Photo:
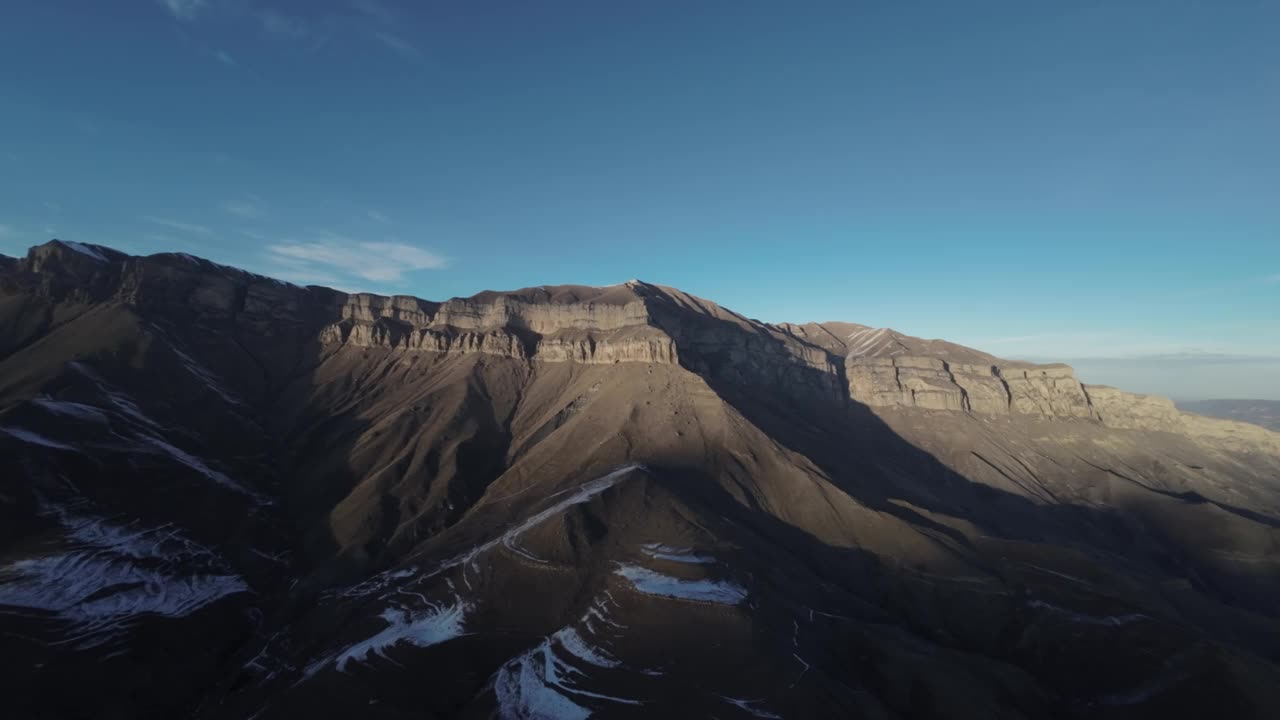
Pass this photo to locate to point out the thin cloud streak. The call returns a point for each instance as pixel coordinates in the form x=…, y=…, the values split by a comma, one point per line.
x=184, y=10
x=375, y=10
x=178, y=225
x=336, y=257
x=1179, y=359
x=398, y=45
x=244, y=209
x=283, y=25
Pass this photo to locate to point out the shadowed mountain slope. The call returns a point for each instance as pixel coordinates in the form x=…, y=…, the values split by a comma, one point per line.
x=227, y=496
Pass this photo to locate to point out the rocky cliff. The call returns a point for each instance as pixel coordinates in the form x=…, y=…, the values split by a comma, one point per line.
x=887, y=369
x=634, y=322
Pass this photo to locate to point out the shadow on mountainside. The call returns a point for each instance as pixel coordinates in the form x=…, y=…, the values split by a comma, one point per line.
x=870, y=462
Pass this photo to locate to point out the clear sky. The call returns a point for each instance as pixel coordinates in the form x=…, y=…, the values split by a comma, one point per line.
x=1096, y=181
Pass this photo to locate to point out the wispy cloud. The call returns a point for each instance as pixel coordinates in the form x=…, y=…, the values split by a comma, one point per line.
x=1178, y=358
x=167, y=241
x=338, y=257
x=178, y=225
x=309, y=24
x=398, y=45
x=185, y=10
x=1272, y=279
x=1050, y=336
x=244, y=209
x=1186, y=375
x=284, y=25
x=379, y=217
x=306, y=276
x=376, y=10
x=1218, y=345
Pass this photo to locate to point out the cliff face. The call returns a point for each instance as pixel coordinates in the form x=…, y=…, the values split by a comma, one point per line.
x=564, y=324
x=634, y=322
x=1120, y=409
x=901, y=376
x=933, y=384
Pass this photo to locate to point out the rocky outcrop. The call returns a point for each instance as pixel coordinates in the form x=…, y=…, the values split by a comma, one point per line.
x=542, y=312
x=1051, y=391
x=1120, y=409
x=368, y=308
x=634, y=344
x=934, y=384
x=398, y=336
x=561, y=324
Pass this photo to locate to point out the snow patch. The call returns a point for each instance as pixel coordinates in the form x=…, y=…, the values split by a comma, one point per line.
x=127, y=406
x=583, y=494
x=1084, y=619
x=1055, y=573
x=575, y=645
x=437, y=624
x=199, y=466
x=509, y=542
x=114, y=574
x=526, y=690
x=72, y=586
x=654, y=583
x=749, y=706
x=864, y=342
x=537, y=684
x=75, y=410
x=35, y=438
x=204, y=375
x=84, y=250
x=378, y=583
x=681, y=555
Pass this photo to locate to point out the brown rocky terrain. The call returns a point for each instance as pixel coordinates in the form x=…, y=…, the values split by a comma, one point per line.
x=227, y=496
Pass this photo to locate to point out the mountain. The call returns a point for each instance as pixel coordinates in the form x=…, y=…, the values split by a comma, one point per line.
x=226, y=496
x=1259, y=412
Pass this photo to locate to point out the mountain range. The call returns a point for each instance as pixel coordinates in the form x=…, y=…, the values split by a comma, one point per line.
x=1259, y=412
x=226, y=496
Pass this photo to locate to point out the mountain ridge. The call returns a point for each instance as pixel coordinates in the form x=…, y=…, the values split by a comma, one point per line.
x=281, y=500
x=642, y=322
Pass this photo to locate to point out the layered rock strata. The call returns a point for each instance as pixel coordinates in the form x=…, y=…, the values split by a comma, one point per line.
x=630, y=322
x=934, y=384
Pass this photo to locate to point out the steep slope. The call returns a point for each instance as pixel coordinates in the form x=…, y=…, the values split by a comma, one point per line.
x=236, y=497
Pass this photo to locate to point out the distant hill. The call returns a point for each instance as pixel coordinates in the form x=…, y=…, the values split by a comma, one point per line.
x=1259, y=412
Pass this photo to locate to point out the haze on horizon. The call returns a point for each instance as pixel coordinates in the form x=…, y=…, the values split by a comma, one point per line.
x=1093, y=183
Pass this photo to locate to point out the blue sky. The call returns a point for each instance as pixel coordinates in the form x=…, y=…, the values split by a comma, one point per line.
x=1097, y=182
